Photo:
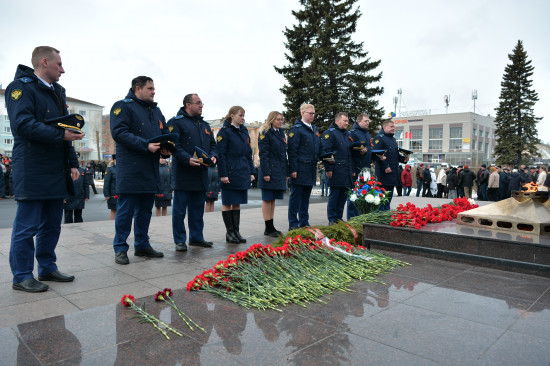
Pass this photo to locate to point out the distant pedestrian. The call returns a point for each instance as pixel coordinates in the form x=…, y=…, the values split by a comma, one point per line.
x=541, y=179
x=109, y=188
x=164, y=198
x=419, y=179
x=89, y=175
x=466, y=179
x=516, y=181
x=406, y=179
x=493, y=185
x=73, y=205
x=213, y=188
x=504, y=184
x=452, y=183
x=426, y=192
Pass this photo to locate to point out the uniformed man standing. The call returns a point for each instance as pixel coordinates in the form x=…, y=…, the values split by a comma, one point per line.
x=134, y=121
x=190, y=176
x=387, y=170
x=43, y=159
x=362, y=159
x=304, y=144
x=341, y=171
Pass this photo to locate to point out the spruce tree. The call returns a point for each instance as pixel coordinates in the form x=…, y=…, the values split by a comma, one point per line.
x=326, y=67
x=516, y=131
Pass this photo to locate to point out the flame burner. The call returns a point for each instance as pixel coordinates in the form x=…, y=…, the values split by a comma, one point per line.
x=526, y=212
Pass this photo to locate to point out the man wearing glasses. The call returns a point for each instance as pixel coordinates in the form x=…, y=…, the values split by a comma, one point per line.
x=189, y=173
x=304, y=143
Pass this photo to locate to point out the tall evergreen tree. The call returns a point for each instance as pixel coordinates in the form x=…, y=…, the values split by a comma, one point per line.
x=516, y=131
x=326, y=68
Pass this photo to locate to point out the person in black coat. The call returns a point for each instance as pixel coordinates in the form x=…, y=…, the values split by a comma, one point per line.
x=504, y=183
x=341, y=171
x=44, y=165
x=304, y=145
x=236, y=170
x=134, y=121
x=387, y=170
x=273, y=172
x=89, y=175
x=109, y=188
x=164, y=198
x=190, y=174
x=516, y=181
x=427, y=181
x=73, y=205
x=213, y=188
x=466, y=179
x=452, y=183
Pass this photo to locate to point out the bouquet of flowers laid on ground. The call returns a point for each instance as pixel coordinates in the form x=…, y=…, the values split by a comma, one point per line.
x=411, y=216
x=367, y=194
x=301, y=271
x=166, y=296
x=145, y=317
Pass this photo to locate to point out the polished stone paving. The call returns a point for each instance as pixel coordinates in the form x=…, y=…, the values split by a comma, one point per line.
x=430, y=313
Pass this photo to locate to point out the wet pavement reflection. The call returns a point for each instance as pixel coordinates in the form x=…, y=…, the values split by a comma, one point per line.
x=402, y=319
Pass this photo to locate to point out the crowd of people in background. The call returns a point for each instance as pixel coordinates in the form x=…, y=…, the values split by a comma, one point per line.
x=493, y=183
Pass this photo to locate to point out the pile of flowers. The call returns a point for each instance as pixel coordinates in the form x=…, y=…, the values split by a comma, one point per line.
x=411, y=216
x=301, y=271
x=367, y=194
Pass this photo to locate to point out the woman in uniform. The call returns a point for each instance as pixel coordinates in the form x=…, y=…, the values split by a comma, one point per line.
x=273, y=171
x=235, y=169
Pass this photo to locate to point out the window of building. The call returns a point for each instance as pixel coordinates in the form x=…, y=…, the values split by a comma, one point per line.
x=8, y=141
x=416, y=139
x=82, y=113
x=436, y=138
x=7, y=129
x=480, y=146
x=481, y=133
x=487, y=147
x=487, y=134
x=399, y=137
x=455, y=141
x=474, y=131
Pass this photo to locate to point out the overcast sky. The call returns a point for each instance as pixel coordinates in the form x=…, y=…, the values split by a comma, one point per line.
x=225, y=50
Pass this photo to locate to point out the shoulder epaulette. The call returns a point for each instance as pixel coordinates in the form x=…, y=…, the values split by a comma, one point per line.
x=179, y=116
x=25, y=79
x=296, y=126
x=331, y=129
x=128, y=100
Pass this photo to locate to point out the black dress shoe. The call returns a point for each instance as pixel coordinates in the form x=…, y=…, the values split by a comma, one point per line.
x=121, y=258
x=56, y=276
x=181, y=247
x=30, y=285
x=273, y=234
x=148, y=252
x=201, y=243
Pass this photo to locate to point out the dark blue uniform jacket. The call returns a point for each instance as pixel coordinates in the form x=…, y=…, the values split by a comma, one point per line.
x=273, y=159
x=41, y=158
x=304, y=146
x=384, y=141
x=193, y=131
x=133, y=123
x=339, y=141
x=235, y=156
x=361, y=134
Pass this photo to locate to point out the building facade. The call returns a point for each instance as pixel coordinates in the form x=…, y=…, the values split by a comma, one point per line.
x=454, y=138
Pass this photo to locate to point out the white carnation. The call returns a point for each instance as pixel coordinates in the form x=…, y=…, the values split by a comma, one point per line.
x=369, y=198
x=377, y=200
x=353, y=197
